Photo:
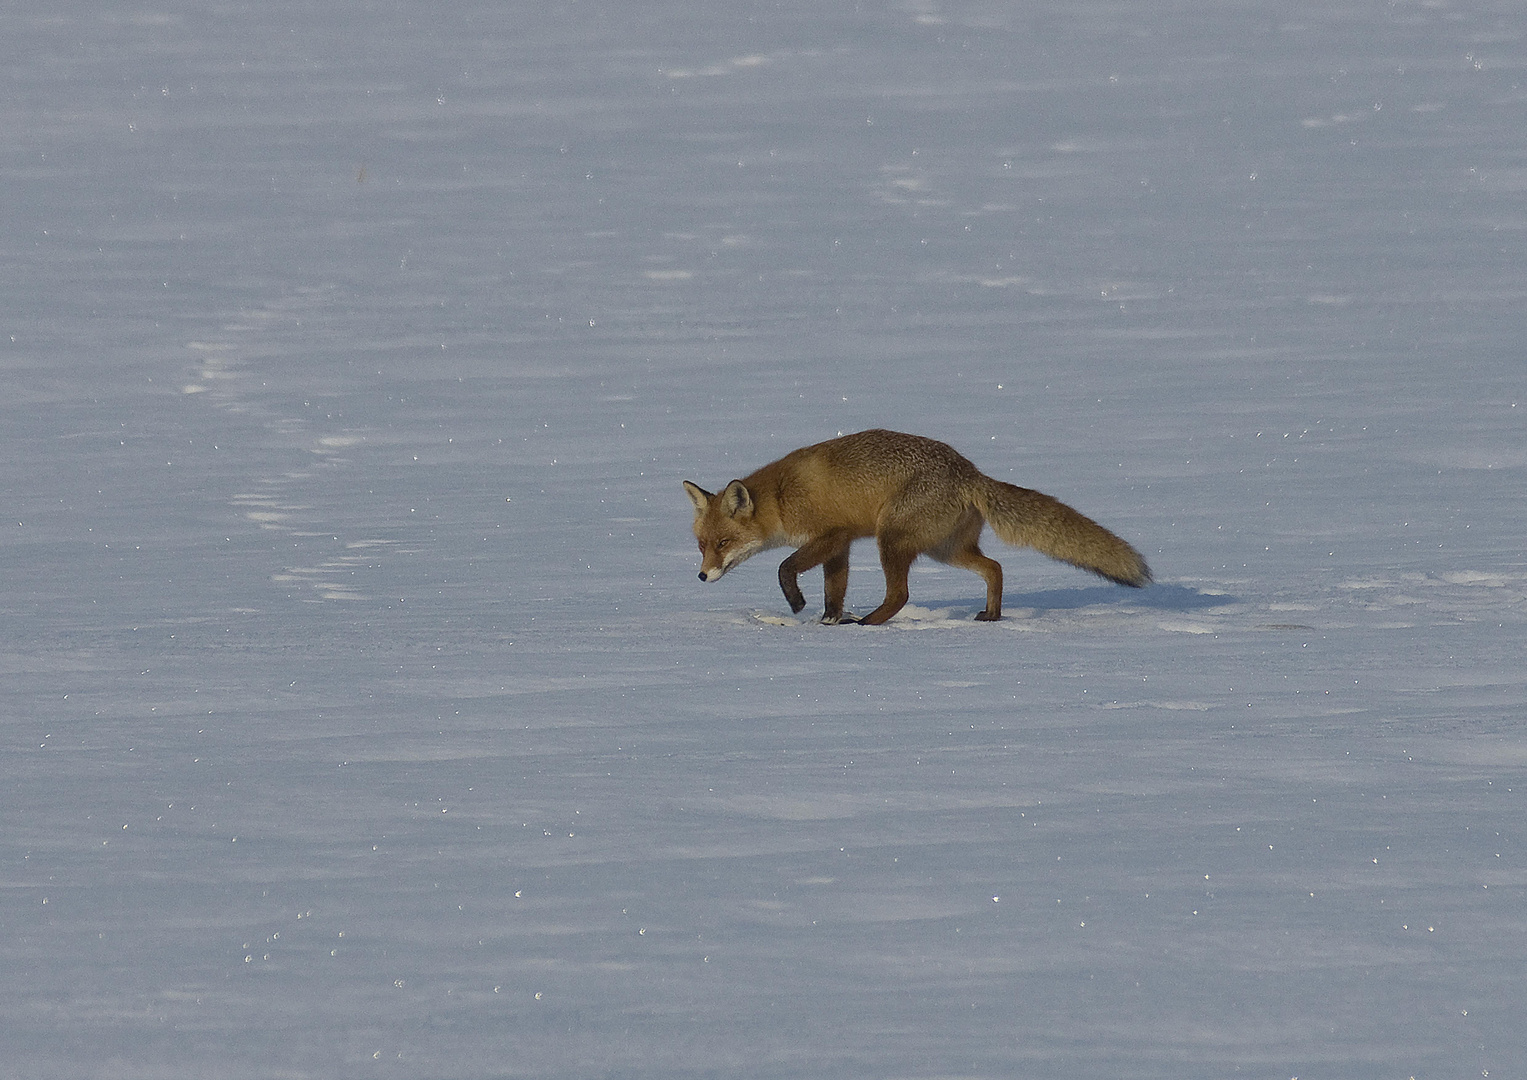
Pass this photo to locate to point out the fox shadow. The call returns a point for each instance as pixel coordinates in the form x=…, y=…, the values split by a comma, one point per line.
x=1177, y=598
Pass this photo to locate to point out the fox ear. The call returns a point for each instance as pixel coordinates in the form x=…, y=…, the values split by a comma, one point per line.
x=699, y=496
x=736, y=500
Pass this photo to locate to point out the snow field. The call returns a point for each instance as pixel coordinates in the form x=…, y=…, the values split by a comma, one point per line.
x=363, y=715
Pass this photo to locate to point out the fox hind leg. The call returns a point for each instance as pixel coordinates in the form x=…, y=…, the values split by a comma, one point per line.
x=990, y=569
x=896, y=558
x=911, y=524
x=963, y=549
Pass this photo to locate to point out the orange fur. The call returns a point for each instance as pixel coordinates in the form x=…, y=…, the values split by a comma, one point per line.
x=916, y=496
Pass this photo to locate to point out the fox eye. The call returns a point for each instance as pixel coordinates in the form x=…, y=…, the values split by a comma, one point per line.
x=721, y=544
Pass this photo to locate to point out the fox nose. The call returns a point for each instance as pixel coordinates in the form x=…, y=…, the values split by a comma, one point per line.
x=703, y=577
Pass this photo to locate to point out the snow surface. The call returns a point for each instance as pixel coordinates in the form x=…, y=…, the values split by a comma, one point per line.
x=363, y=715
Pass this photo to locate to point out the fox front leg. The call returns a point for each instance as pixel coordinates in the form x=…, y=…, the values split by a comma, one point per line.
x=835, y=586
x=831, y=549
x=789, y=584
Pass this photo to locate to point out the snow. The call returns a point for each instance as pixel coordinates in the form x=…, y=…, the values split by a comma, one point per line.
x=363, y=715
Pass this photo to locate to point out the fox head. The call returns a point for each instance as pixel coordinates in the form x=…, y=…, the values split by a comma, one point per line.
x=725, y=528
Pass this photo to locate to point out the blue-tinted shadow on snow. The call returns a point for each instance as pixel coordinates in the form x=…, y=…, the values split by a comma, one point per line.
x=1156, y=597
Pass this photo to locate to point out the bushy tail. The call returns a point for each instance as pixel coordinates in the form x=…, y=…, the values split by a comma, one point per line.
x=1033, y=519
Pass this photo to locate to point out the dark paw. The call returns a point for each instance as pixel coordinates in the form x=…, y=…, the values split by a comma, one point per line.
x=986, y=616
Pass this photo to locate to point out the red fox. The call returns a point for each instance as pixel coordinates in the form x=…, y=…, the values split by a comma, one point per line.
x=915, y=496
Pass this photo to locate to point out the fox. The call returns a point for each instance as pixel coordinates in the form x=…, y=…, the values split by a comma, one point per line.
x=915, y=496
